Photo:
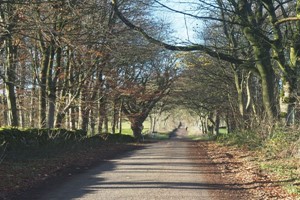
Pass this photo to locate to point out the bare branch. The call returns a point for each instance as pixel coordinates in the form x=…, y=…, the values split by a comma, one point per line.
x=196, y=16
x=196, y=47
x=289, y=19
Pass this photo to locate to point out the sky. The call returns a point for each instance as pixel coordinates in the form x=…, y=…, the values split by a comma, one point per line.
x=182, y=25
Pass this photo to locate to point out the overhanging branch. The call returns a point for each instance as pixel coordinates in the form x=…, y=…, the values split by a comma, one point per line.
x=195, y=16
x=288, y=19
x=197, y=47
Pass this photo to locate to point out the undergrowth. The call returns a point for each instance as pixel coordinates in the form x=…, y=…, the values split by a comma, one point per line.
x=25, y=144
x=278, y=152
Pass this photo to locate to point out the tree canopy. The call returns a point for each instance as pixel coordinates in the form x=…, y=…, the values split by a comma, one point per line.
x=83, y=64
x=257, y=37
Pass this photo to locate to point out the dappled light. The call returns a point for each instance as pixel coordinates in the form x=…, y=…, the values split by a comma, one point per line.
x=206, y=107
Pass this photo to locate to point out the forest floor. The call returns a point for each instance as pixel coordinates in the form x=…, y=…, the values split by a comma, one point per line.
x=237, y=166
x=242, y=168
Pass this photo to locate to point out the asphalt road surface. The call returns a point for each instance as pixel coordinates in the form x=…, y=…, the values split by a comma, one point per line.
x=164, y=170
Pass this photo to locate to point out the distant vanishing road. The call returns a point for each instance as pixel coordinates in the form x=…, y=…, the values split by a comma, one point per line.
x=173, y=169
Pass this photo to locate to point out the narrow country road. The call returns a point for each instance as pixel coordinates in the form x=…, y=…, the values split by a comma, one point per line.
x=173, y=169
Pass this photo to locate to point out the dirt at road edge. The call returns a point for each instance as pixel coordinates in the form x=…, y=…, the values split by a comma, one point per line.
x=239, y=175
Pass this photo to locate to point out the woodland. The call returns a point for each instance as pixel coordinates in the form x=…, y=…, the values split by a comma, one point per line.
x=76, y=65
x=87, y=65
x=84, y=67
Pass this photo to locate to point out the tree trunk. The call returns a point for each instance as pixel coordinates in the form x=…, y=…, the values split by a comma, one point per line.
x=206, y=125
x=73, y=113
x=93, y=123
x=85, y=120
x=33, y=105
x=102, y=116
x=269, y=99
x=99, y=118
x=115, y=116
x=217, y=123
x=66, y=107
x=290, y=82
x=100, y=122
x=151, y=123
x=228, y=125
x=85, y=114
x=239, y=88
x=10, y=79
x=59, y=119
x=43, y=87
x=106, y=124
x=52, y=82
x=21, y=98
x=137, y=127
x=120, y=117
x=5, y=111
x=51, y=90
x=289, y=67
x=288, y=101
x=154, y=125
x=263, y=62
x=261, y=50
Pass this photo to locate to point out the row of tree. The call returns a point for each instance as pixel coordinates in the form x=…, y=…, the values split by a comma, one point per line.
x=247, y=67
x=72, y=64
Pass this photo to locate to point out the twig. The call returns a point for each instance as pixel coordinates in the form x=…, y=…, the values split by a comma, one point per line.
x=2, y=156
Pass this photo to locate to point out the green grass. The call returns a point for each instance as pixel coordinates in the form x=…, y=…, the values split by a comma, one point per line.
x=161, y=136
x=126, y=129
x=276, y=152
x=199, y=137
x=286, y=170
x=156, y=136
x=223, y=130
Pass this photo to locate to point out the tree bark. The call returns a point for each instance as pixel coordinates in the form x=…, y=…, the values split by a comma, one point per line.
x=115, y=115
x=9, y=22
x=85, y=112
x=137, y=126
x=43, y=87
x=120, y=117
x=10, y=79
x=217, y=123
x=51, y=88
x=52, y=83
x=102, y=116
x=263, y=59
x=289, y=98
x=93, y=122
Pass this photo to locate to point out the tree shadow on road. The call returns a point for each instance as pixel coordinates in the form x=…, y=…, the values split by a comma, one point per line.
x=176, y=159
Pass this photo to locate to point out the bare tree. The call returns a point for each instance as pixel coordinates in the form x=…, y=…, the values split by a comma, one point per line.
x=144, y=85
x=260, y=23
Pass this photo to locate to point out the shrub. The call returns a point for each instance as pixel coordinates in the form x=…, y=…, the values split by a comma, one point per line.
x=249, y=139
x=281, y=143
x=278, y=143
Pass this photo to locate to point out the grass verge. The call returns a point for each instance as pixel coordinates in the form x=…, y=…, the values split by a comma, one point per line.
x=277, y=154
